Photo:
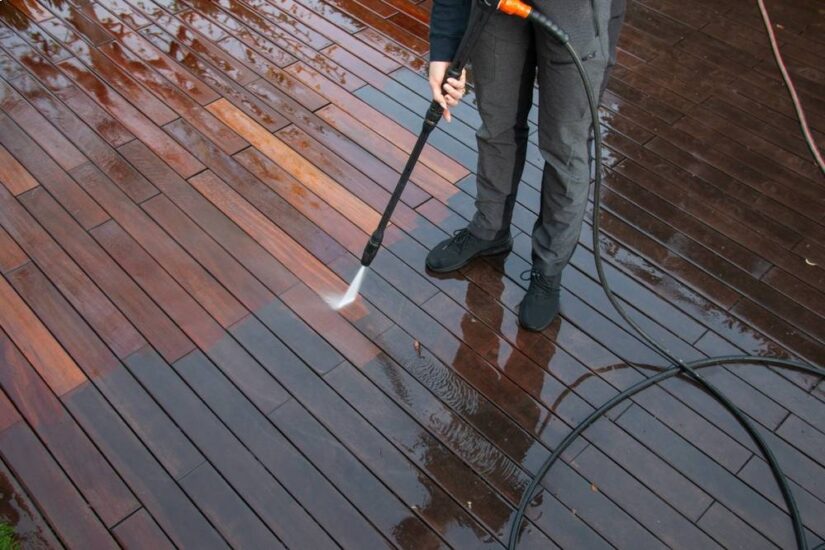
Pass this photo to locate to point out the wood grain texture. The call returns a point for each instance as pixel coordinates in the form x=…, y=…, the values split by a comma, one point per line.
x=305, y=172
x=182, y=183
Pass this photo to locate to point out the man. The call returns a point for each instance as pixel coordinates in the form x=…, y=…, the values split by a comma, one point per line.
x=505, y=61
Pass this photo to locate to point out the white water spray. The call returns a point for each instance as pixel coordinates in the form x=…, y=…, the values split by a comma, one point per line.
x=349, y=297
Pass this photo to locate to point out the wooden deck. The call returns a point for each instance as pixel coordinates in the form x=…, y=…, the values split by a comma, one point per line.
x=181, y=180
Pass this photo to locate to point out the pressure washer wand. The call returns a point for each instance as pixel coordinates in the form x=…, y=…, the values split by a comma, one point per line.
x=431, y=119
x=474, y=29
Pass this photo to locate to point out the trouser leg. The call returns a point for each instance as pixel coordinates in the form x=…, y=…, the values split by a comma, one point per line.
x=565, y=125
x=504, y=68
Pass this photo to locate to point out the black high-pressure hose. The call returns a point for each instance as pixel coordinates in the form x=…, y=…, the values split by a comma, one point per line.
x=678, y=366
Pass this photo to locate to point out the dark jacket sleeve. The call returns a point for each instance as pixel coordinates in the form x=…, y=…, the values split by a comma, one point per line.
x=448, y=20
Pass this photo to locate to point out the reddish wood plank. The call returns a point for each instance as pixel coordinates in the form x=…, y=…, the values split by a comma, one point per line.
x=92, y=61
x=248, y=252
x=44, y=353
x=213, y=77
x=290, y=253
x=305, y=201
x=172, y=153
x=213, y=297
x=261, y=493
x=175, y=99
x=54, y=143
x=182, y=308
x=436, y=160
x=248, y=290
x=11, y=256
x=174, y=72
x=118, y=332
x=12, y=174
x=132, y=402
x=329, y=508
x=33, y=9
x=430, y=181
x=315, y=180
x=271, y=205
x=95, y=148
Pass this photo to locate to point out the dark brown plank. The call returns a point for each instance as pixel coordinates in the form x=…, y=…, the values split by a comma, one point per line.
x=263, y=494
x=140, y=531
x=99, y=483
x=58, y=499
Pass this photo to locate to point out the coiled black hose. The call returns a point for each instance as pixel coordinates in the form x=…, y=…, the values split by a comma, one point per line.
x=678, y=366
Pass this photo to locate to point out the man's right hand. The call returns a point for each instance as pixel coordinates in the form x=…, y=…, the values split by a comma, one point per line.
x=453, y=89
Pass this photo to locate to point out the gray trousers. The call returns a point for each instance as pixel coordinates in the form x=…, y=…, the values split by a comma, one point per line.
x=505, y=62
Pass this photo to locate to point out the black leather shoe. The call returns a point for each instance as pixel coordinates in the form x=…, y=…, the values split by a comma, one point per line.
x=541, y=303
x=463, y=246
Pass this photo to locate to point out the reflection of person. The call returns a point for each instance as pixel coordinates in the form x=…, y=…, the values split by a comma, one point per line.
x=506, y=59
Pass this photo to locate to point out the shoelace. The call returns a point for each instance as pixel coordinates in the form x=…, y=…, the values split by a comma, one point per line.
x=538, y=279
x=460, y=238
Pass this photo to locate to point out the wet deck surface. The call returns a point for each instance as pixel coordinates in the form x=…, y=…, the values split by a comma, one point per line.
x=181, y=180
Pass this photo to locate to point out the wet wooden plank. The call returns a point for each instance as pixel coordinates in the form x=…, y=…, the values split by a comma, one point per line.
x=94, y=147
x=35, y=342
x=52, y=141
x=133, y=119
x=205, y=289
x=132, y=402
x=397, y=521
x=287, y=251
x=348, y=147
x=214, y=78
x=11, y=255
x=140, y=530
x=33, y=9
x=225, y=509
x=175, y=99
x=329, y=508
x=405, y=139
x=240, y=245
x=305, y=201
x=61, y=503
x=196, y=323
x=14, y=176
x=402, y=477
x=315, y=180
x=98, y=481
x=248, y=290
x=156, y=489
x=118, y=330
x=260, y=491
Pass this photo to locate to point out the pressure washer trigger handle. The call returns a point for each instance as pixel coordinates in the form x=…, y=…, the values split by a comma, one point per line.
x=453, y=72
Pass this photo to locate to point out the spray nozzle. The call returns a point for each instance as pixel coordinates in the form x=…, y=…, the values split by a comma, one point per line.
x=372, y=248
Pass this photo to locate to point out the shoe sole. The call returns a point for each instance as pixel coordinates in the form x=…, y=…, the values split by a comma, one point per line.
x=535, y=329
x=491, y=252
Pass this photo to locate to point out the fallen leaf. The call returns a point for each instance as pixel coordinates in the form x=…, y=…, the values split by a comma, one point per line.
x=417, y=347
x=594, y=488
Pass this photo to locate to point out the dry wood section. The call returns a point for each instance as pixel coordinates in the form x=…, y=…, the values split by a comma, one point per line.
x=182, y=181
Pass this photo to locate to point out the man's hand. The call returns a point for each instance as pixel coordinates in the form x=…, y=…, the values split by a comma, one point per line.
x=453, y=90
